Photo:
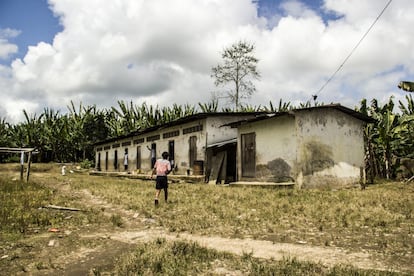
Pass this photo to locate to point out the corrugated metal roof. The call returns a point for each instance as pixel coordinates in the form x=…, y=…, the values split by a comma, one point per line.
x=258, y=117
x=346, y=110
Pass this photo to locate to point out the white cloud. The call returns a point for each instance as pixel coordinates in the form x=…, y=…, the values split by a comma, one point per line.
x=7, y=48
x=162, y=52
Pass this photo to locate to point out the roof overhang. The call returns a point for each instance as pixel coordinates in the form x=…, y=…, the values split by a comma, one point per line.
x=223, y=143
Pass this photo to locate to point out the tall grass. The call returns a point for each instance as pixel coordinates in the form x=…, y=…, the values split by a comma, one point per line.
x=161, y=257
x=19, y=206
x=22, y=209
x=270, y=213
x=378, y=219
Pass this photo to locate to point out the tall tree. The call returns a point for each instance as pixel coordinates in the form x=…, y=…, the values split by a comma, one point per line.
x=238, y=69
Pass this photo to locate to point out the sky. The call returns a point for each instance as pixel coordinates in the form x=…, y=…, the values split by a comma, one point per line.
x=161, y=52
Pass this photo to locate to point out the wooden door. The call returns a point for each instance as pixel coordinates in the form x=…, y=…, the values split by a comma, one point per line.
x=192, y=150
x=138, y=157
x=248, y=154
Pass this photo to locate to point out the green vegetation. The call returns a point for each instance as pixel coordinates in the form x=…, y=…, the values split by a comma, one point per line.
x=22, y=209
x=378, y=220
x=188, y=258
x=70, y=137
x=345, y=218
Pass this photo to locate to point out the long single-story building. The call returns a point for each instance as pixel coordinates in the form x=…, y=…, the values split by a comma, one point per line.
x=312, y=147
x=192, y=143
x=308, y=147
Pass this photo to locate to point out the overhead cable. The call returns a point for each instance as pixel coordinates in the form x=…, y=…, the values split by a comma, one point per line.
x=355, y=47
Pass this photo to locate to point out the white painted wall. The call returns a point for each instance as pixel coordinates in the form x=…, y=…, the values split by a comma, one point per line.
x=275, y=139
x=219, y=133
x=212, y=132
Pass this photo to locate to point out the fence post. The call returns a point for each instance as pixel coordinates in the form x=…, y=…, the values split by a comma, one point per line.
x=29, y=161
x=21, y=165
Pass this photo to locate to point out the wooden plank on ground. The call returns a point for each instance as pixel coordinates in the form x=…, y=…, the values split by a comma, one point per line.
x=61, y=208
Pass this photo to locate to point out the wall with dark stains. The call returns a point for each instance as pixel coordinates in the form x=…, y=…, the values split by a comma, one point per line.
x=313, y=148
x=275, y=149
x=330, y=148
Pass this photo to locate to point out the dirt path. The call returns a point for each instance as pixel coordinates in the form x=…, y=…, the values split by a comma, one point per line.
x=262, y=249
x=328, y=256
x=111, y=242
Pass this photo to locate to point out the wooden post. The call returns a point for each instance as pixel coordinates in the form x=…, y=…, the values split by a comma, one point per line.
x=21, y=165
x=29, y=161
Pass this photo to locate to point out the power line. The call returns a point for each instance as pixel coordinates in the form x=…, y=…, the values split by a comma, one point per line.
x=355, y=47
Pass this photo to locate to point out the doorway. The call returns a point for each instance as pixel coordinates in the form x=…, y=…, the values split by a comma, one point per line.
x=171, y=153
x=248, y=154
x=138, y=157
x=106, y=161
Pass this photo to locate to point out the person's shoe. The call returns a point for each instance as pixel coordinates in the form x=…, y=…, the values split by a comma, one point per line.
x=156, y=202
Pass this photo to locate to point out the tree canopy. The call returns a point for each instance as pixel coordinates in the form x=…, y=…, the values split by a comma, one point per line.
x=238, y=69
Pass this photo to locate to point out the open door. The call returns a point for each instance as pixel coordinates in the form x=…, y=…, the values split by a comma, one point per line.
x=248, y=154
x=106, y=161
x=171, y=151
x=99, y=162
x=138, y=157
x=116, y=160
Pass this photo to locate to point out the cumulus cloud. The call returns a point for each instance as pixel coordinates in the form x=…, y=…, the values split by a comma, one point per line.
x=162, y=52
x=6, y=48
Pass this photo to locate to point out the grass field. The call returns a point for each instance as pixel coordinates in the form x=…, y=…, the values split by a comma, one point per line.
x=378, y=220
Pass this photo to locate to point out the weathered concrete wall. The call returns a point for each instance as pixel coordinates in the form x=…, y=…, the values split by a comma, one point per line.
x=315, y=148
x=275, y=148
x=181, y=148
x=217, y=132
x=330, y=148
x=207, y=131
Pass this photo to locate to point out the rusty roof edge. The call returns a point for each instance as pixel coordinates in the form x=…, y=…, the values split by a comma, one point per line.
x=337, y=106
x=344, y=109
x=178, y=121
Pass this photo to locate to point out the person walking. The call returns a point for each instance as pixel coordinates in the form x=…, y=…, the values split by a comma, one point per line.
x=162, y=168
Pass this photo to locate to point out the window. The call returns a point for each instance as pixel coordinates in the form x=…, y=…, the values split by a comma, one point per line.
x=193, y=129
x=139, y=141
x=171, y=134
x=153, y=138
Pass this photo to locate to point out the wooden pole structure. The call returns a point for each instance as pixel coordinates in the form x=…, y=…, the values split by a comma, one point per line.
x=29, y=161
x=21, y=165
x=22, y=151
